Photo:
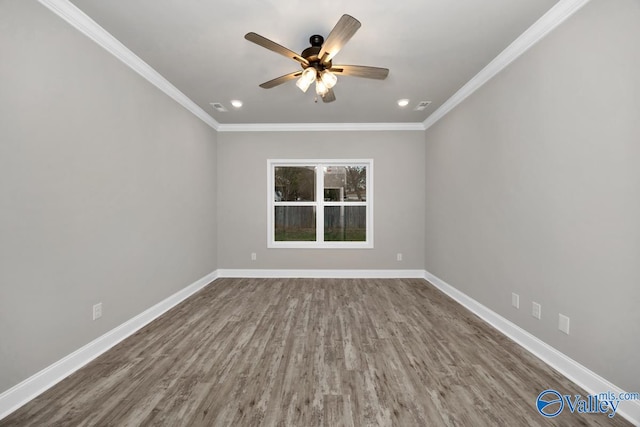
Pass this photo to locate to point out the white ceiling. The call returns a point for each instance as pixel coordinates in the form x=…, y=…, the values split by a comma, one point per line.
x=432, y=48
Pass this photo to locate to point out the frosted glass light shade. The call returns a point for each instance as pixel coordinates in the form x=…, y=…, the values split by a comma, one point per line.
x=329, y=79
x=308, y=76
x=321, y=88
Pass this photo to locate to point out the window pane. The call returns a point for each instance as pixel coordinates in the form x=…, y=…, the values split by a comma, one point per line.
x=345, y=183
x=295, y=223
x=295, y=183
x=345, y=223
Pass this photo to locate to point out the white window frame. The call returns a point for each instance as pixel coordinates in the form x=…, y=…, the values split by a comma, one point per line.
x=319, y=203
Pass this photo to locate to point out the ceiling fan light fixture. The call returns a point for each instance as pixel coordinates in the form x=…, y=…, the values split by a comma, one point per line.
x=316, y=60
x=329, y=79
x=321, y=88
x=308, y=76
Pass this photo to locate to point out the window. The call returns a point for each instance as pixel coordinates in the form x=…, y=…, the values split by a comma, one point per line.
x=320, y=203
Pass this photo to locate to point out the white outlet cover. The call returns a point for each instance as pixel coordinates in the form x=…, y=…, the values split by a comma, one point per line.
x=536, y=310
x=563, y=323
x=515, y=300
x=97, y=311
x=399, y=257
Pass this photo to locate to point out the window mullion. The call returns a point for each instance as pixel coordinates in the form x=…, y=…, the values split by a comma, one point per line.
x=320, y=203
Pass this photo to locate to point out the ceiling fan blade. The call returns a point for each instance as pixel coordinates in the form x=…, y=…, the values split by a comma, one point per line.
x=275, y=47
x=360, y=71
x=339, y=36
x=329, y=96
x=279, y=80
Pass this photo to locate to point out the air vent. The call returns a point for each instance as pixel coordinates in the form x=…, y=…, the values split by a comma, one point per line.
x=219, y=107
x=422, y=105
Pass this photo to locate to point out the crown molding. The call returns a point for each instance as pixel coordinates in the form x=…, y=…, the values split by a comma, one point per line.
x=87, y=26
x=543, y=26
x=300, y=127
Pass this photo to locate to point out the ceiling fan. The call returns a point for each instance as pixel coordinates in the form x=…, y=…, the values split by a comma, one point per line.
x=316, y=60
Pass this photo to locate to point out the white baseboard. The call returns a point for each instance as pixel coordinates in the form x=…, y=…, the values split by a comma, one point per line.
x=582, y=376
x=33, y=386
x=22, y=393
x=323, y=274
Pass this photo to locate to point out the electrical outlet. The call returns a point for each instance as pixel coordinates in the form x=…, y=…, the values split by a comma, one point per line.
x=253, y=256
x=515, y=300
x=536, y=310
x=399, y=257
x=563, y=323
x=97, y=311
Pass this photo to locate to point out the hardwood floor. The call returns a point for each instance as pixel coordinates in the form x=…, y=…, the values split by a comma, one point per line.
x=310, y=352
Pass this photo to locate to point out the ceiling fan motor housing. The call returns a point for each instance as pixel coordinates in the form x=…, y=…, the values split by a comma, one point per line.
x=311, y=54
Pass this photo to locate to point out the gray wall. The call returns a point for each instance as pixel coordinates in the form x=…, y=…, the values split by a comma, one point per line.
x=107, y=192
x=533, y=187
x=398, y=198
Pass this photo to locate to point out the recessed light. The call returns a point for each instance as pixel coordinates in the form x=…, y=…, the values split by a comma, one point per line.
x=403, y=102
x=236, y=103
